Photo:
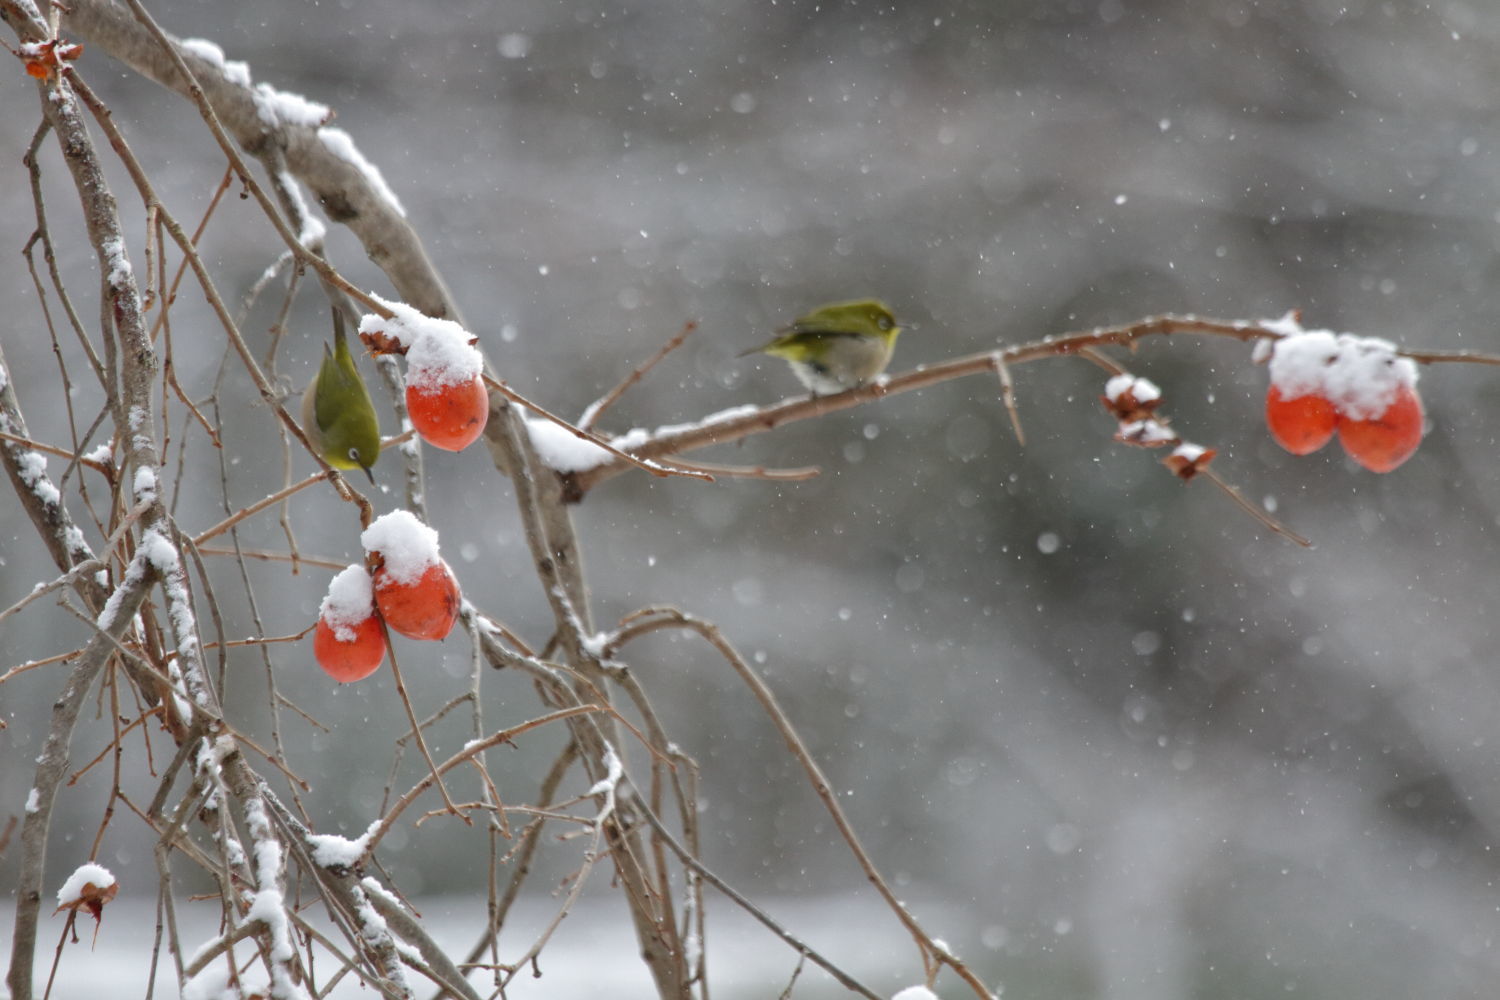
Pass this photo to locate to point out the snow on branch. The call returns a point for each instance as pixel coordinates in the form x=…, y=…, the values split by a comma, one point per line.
x=261, y=118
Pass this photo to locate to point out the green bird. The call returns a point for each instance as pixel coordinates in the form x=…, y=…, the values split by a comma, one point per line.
x=837, y=346
x=337, y=414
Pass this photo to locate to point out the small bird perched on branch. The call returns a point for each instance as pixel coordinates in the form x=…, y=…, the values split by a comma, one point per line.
x=837, y=346
x=337, y=414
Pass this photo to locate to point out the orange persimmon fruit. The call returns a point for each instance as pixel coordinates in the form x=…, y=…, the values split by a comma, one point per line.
x=1382, y=443
x=449, y=415
x=355, y=656
x=1303, y=424
x=425, y=608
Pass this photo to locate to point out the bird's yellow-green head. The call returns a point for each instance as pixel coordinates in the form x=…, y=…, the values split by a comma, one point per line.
x=337, y=414
x=837, y=346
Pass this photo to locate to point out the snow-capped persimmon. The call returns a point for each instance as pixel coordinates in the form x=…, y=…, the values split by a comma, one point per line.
x=353, y=658
x=1302, y=424
x=445, y=393
x=1361, y=388
x=349, y=642
x=424, y=608
x=415, y=591
x=448, y=415
x=1383, y=442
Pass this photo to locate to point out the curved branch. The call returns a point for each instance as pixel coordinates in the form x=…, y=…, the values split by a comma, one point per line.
x=933, y=950
x=741, y=422
x=348, y=193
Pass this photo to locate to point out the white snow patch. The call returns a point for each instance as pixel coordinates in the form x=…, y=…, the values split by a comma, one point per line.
x=594, y=644
x=374, y=888
x=158, y=551
x=340, y=144
x=278, y=108
x=212, y=983
x=132, y=578
x=1360, y=376
x=372, y=924
x=721, y=417
x=85, y=874
x=349, y=601
x=33, y=801
x=268, y=904
x=614, y=771
x=407, y=546
x=232, y=69
x=439, y=352
x=1364, y=380
x=313, y=231
x=145, y=484
x=1299, y=363
x=31, y=466
x=565, y=451
x=1146, y=432
x=1144, y=390
x=915, y=993
x=120, y=269
x=1189, y=452
x=211, y=754
x=332, y=851
x=1287, y=325
x=561, y=449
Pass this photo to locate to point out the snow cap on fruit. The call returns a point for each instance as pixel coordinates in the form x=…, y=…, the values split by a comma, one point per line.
x=1360, y=376
x=438, y=352
x=1299, y=363
x=1364, y=379
x=406, y=546
x=349, y=601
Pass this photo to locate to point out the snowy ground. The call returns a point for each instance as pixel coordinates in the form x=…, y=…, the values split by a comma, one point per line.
x=591, y=948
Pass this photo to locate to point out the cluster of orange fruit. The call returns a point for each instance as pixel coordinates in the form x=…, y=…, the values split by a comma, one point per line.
x=1359, y=388
x=412, y=591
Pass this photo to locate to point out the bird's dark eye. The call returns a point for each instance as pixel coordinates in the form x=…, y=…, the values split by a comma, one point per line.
x=354, y=454
x=884, y=322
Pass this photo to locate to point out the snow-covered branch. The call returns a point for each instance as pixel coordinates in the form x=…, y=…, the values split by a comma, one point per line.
x=262, y=118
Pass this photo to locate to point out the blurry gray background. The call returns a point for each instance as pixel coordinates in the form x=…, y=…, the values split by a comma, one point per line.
x=1146, y=749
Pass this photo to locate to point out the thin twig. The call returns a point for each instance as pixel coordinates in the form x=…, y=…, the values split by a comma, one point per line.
x=1461, y=357
x=1008, y=396
x=609, y=788
x=22, y=668
x=301, y=560
x=103, y=468
x=416, y=728
x=690, y=861
x=1254, y=510
x=257, y=507
x=594, y=410
x=745, y=421
x=469, y=751
x=524, y=853
x=797, y=475
x=1115, y=368
x=931, y=950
